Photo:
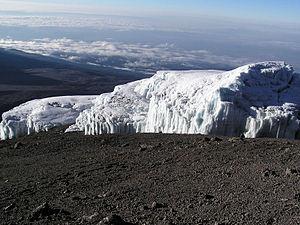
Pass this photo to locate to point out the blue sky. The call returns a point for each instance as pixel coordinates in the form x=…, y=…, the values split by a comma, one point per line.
x=271, y=10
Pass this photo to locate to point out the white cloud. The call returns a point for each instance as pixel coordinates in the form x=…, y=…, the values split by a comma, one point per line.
x=80, y=21
x=129, y=56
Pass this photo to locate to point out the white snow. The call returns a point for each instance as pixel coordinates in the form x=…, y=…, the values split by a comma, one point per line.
x=257, y=100
x=42, y=114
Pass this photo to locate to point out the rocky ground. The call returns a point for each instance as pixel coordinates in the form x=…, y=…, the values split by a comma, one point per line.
x=58, y=178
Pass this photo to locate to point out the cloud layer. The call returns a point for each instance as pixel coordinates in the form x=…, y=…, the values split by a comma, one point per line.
x=79, y=21
x=136, y=57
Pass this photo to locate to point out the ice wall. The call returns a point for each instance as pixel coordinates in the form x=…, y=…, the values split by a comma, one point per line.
x=257, y=100
x=42, y=114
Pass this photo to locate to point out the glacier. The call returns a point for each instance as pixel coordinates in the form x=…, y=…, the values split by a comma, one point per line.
x=42, y=114
x=257, y=100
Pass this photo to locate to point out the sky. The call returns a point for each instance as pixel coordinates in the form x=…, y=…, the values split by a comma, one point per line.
x=272, y=10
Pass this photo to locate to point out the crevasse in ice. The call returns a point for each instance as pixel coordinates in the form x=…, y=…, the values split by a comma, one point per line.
x=257, y=100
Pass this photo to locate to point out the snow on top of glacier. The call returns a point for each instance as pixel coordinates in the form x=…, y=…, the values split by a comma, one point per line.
x=42, y=114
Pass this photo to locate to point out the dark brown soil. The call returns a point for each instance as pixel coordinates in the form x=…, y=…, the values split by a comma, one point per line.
x=57, y=178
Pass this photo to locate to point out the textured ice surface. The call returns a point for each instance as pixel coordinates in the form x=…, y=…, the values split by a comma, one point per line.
x=258, y=100
x=42, y=114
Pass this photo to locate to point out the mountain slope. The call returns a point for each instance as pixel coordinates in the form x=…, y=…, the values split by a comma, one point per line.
x=26, y=76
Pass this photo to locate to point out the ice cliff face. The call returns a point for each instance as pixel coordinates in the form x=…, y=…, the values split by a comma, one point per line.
x=257, y=100
x=42, y=114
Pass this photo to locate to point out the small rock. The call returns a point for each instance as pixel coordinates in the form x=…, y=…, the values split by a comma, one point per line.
x=156, y=205
x=143, y=207
x=270, y=221
x=233, y=139
x=217, y=139
x=209, y=197
x=289, y=172
x=141, y=149
x=103, y=195
x=79, y=174
x=297, y=197
x=222, y=223
x=269, y=173
x=90, y=218
x=165, y=218
x=113, y=220
x=159, y=145
x=228, y=174
x=145, y=147
x=66, y=191
x=206, y=139
x=79, y=197
x=41, y=211
x=45, y=211
x=190, y=206
x=172, y=210
x=10, y=207
x=18, y=145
